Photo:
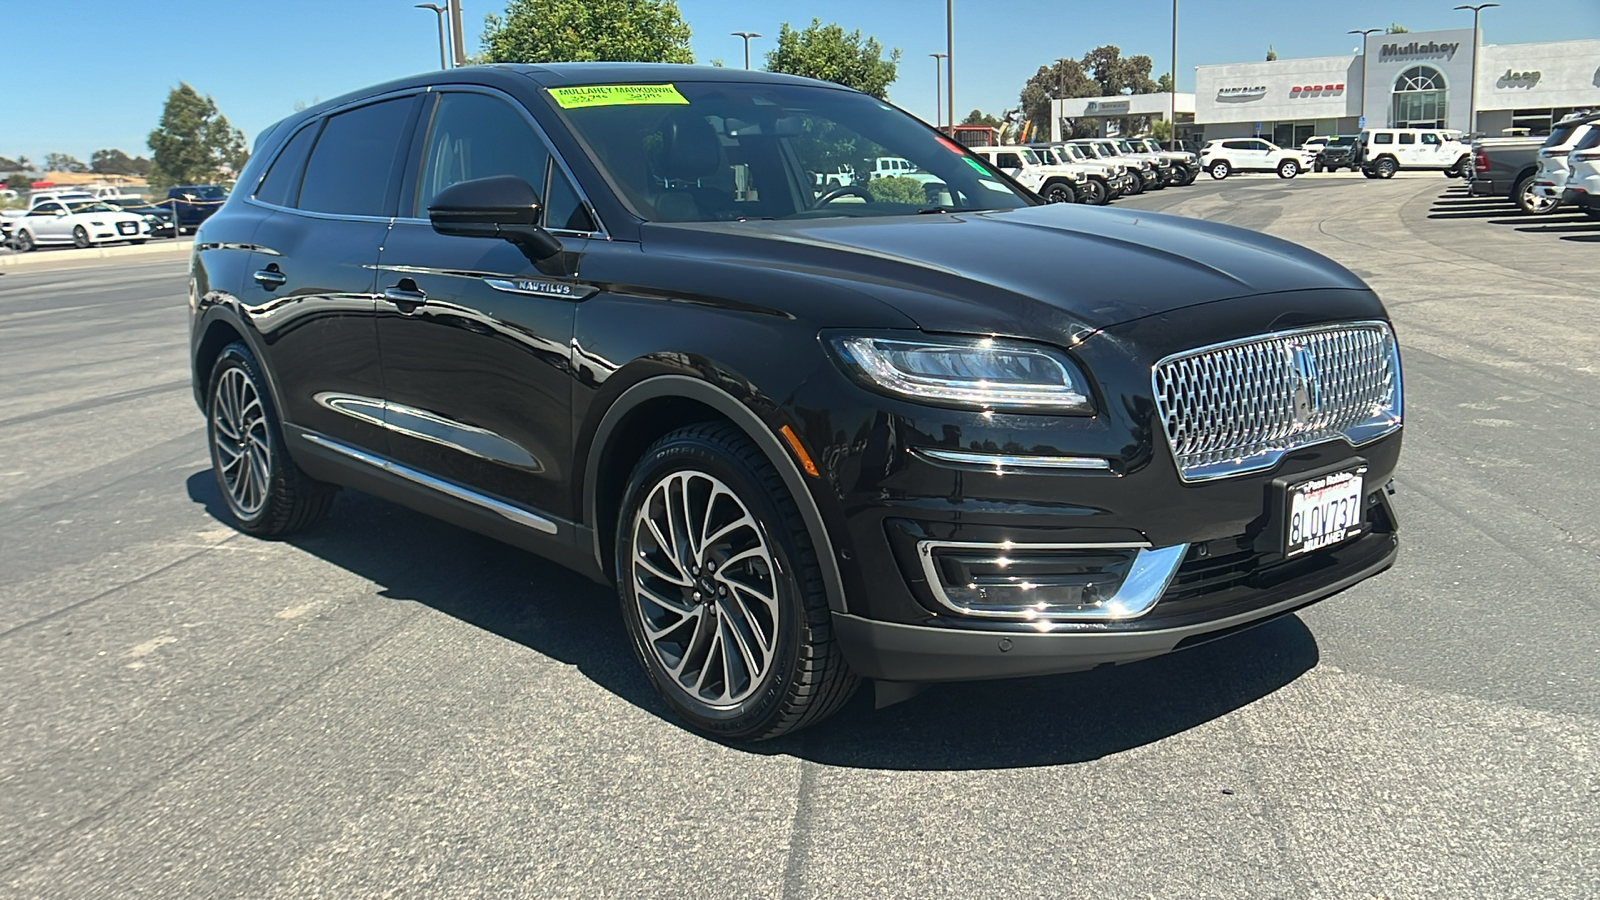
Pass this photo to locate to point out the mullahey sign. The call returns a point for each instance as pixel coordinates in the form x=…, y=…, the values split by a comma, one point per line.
x=1415, y=50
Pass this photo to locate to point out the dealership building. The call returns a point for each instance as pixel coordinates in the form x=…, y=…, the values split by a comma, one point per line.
x=1410, y=80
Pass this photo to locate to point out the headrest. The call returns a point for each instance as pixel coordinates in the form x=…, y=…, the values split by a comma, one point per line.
x=690, y=148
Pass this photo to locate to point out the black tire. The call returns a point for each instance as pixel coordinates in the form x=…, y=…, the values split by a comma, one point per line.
x=1316, y=168
x=1385, y=168
x=1592, y=212
x=1187, y=175
x=1059, y=192
x=1529, y=202
x=24, y=242
x=1095, y=192
x=1220, y=169
x=80, y=238
x=806, y=678
x=1369, y=173
x=286, y=499
x=1138, y=184
x=1288, y=169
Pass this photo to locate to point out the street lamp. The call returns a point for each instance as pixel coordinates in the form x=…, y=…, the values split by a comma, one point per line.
x=937, y=102
x=1362, y=111
x=950, y=60
x=747, y=35
x=1472, y=96
x=438, y=11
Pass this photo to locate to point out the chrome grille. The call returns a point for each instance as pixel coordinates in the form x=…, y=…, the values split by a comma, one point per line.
x=1240, y=406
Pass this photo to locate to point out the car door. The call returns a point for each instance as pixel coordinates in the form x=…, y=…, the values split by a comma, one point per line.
x=311, y=289
x=48, y=222
x=1009, y=162
x=1261, y=154
x=475, y=338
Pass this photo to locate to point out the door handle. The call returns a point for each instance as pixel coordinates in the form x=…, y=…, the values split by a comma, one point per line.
x=271, y=278
x=406, y=295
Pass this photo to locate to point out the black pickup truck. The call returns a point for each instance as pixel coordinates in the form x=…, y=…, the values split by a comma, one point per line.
x=1504, y=167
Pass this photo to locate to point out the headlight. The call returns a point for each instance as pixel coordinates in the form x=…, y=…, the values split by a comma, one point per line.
x=981, y=373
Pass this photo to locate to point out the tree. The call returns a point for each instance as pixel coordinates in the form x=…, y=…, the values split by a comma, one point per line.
x=538, y=31
x=1063, y=80
x=898, y=189
x=194, y=144
x=979, y=117
x=19, y=181
x=1116, y=75
x=1396, y=28
x=63, y=162
x=115, y=162
x=1164, y=83
x=9, y=165
x=825, y=52
x=1272, y=55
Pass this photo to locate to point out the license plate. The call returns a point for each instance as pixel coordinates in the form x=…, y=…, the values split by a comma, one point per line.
x=127, y=227
x=1323, y=511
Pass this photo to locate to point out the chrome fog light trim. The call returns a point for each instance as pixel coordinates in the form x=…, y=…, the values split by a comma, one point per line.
x=1003, y=463
x=1147, y=578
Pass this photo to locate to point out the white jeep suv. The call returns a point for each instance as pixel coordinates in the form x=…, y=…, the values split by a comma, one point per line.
x=1389, y=150
x=1225, y=156
x=1054, y=183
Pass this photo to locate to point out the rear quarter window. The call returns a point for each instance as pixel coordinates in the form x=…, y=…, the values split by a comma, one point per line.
x=282, y=184
x=350, y=167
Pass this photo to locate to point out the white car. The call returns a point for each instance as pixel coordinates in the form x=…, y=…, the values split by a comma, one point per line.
x=1555, y=164
x=1225, y=156
x=1389, y=150
x=81, y=224
x=1052, y=182
x=1583, y=181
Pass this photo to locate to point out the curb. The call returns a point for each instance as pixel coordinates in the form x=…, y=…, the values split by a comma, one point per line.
x=69, y=257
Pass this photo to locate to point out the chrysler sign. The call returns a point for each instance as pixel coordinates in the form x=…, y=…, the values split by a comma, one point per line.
x=1415, y=50
x=1239, y=94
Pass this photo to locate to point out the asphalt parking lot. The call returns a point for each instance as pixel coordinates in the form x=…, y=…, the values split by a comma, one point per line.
x=389, y=706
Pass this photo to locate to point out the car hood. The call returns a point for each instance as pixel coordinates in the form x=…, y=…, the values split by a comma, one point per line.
x=1061, y=268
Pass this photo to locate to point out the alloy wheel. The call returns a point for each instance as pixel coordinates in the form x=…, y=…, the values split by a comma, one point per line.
x=24, y=242
x=1059, y=193
x=239, y=436
x=80, y=238
x=704, y=585
x=1531, y=201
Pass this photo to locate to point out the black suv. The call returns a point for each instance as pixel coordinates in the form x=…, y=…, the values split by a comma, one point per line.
x=1341, y=152
x=911, y=430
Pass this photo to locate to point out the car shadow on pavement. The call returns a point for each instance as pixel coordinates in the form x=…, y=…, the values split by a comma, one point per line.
x=1051, y=720
x=1584, y=225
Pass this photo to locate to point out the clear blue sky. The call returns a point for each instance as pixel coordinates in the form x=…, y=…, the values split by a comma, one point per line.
x=100, y=78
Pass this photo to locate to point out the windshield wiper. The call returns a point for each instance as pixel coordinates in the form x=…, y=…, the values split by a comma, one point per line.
x=934, y=210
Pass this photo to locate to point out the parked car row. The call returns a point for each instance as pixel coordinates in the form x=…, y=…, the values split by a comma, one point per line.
x=1540, y=174
x=1376, y=153
x=1095, y=171
x=84, y=218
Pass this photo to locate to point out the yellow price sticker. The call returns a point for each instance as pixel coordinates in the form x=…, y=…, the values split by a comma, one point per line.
x=618, y=95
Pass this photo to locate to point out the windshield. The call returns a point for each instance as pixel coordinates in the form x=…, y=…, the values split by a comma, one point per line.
x=721, y=151
x=1342, y=141
x=92, y=207
x=1047, y=156
x=1106, y=148
x=1125, y=146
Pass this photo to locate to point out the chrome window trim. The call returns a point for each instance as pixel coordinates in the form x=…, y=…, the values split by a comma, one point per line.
x=1147, y=579
x=1002, y=463
x=512, y=513
x=1357, y=436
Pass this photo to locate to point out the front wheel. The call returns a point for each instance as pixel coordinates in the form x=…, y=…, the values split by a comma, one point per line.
x=266, y=494
x=80, y=237
x=1095, y=193
x=1059, y=192
x=721, y=590
x=1288, y=169
x=1220, y=170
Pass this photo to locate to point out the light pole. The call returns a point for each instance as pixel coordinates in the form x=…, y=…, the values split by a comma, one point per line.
x=1472, y=96
x=950, y=60
x=747, y=35
x=1172, y=106
x=1361, y=111
x=457, y=33
x=937, y=102
x=439, y=12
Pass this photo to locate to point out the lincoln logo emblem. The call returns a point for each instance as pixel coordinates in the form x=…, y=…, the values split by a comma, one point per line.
x=1307, y=385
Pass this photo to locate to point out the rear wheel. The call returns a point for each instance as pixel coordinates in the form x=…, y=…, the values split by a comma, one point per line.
x=266, y=493
x=1221, y=170
x=1385, y=168
x=80, y=237
x=1530, y=201
x=1288, y=169
x=721, y=591
x=24, y=242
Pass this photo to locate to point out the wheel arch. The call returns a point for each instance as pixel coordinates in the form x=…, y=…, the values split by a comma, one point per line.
x=658, y=405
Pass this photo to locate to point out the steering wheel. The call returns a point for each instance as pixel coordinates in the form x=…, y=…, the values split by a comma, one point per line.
x=845, y=191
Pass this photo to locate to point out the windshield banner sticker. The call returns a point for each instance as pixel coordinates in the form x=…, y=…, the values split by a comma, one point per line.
x=618, y=95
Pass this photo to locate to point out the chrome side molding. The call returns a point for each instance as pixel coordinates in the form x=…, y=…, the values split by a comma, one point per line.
x=1002, y=463
x=513, y=513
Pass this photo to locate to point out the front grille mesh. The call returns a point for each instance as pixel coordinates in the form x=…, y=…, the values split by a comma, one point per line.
x=1238, y=407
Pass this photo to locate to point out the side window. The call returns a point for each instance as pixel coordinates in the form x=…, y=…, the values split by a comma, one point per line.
x=1407, y=138
x=1008, y=161
x=1383, y=137
x=563, y=211
x=45, y=209
x=1430, y=139
x=349, y=169
x=478, y=136
x=1236, y=145
x=283, y=179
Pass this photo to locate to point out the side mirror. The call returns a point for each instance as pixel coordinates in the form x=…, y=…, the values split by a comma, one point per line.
x=503, y=206
x=58, y=211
